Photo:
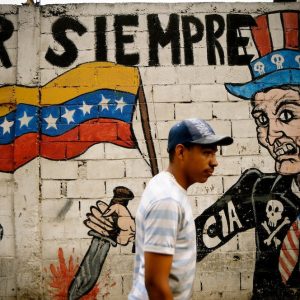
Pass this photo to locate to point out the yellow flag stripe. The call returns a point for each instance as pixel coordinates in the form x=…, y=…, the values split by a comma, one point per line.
x=83, y=79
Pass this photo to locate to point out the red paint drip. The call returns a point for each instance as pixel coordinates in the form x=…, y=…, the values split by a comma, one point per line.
x=62, y=276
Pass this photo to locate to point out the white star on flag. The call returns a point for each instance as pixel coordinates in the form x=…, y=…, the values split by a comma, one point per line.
x=51, y=122
x=68, y=115
x=6, y=125
x=104, y=103
x=25, y=120
x=120, y=104
x=86, y=108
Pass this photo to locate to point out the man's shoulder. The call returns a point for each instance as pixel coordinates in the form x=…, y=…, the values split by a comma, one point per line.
x=161, y=185
x=161, y=188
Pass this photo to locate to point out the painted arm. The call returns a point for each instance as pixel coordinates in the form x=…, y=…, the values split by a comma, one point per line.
x=231, y=214
x=157, y=271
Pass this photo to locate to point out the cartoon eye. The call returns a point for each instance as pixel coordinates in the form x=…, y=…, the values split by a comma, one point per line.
x=286, y=116
x=262, y=119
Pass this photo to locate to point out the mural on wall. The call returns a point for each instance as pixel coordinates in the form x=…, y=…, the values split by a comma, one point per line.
x=95, y=102
x=267, y=202
x=89, y=104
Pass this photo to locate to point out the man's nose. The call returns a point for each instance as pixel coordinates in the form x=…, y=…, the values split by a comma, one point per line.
x=214, y=161
x=274, y=131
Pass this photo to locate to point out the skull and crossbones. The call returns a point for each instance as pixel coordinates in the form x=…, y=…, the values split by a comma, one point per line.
x=274, y=210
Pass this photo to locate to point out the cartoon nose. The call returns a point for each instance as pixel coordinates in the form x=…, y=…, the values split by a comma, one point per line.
x=274, y=131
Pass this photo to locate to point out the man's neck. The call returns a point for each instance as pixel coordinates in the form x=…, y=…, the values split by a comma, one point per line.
x=179, y=176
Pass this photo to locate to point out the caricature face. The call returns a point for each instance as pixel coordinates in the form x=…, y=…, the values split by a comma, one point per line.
x=277, y=116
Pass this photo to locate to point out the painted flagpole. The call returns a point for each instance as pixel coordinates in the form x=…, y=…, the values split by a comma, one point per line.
x=147, y=130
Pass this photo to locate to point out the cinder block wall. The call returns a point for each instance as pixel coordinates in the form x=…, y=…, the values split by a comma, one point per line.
x=184, y=54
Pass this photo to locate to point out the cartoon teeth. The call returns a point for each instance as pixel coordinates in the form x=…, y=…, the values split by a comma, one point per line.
x=285, y=149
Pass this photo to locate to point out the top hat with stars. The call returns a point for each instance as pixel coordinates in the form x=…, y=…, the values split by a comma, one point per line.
x=277, y=65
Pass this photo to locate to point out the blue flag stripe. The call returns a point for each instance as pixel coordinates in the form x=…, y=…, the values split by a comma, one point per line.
x=55, y=120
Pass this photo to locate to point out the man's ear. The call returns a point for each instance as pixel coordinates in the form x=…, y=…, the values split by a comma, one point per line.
x=179, y=151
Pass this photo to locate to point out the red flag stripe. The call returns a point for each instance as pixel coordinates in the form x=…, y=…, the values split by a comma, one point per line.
x=289, y=252
x=285, y=276
x=24, y=149
x=80, y=138
x=292, y=238
x=288, y=265
x=65, y=146
x=290, y=248
x=296, y=226
x=289, y=257
x=283, y=264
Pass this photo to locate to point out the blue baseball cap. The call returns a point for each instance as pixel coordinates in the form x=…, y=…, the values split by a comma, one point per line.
x=195, y=131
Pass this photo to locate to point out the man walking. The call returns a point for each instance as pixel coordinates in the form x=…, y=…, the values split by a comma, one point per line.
x=165, y=257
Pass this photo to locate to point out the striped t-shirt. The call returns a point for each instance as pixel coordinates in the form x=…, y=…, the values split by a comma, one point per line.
x=165, y=224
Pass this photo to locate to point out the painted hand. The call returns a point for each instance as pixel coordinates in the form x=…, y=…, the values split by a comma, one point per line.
x=114, y=222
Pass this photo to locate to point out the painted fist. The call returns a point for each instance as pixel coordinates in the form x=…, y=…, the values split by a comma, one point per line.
x=114, y=222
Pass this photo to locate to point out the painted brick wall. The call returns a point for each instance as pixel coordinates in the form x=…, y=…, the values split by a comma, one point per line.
x=44, y=199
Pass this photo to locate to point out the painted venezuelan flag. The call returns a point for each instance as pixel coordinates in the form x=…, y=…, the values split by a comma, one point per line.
x=89, y=104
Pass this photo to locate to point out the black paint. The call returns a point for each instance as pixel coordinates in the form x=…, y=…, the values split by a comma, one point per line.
x=212, y=38
x=101, y=46
x=6, y=31
x=1, y=232
x=214, y=26
x=157, y=36
x=189, y=39
x=250, y=197
x=59, y=28
x=121, y=39
x=234, y=41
